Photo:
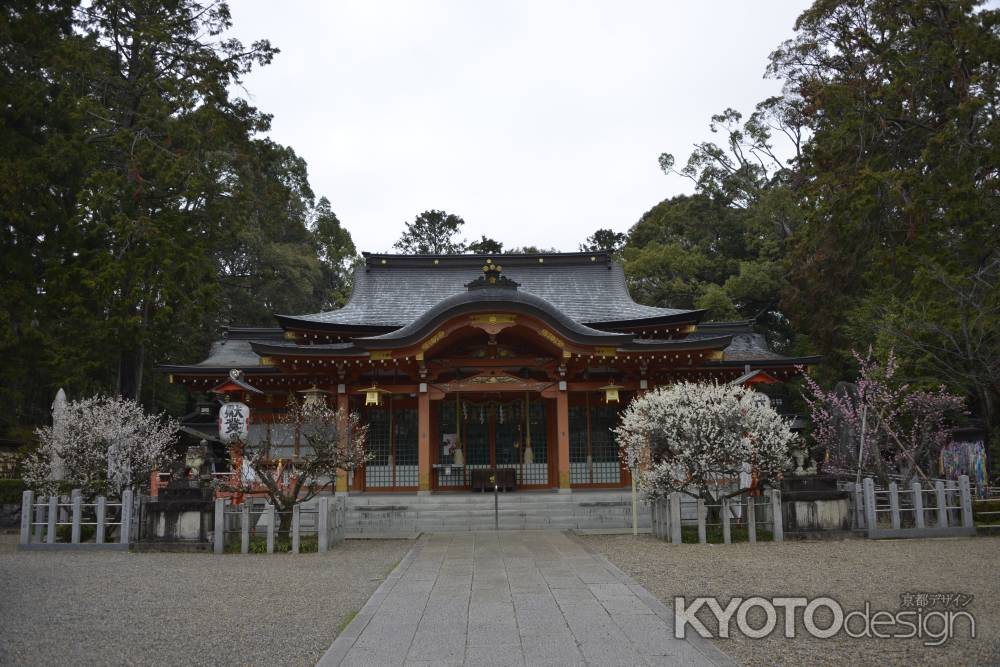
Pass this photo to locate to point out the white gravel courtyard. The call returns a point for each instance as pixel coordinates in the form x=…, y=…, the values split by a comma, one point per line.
x=113, y=608
x=850, y=571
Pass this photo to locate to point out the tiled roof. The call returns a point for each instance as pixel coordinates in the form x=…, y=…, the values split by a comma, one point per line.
x=394, y=290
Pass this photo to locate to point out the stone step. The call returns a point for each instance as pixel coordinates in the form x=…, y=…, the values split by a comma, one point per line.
x=374, y=510
x=407, y=514
x=474, y=498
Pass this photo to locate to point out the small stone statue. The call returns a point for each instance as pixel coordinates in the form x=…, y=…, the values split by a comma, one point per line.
x=194, y=459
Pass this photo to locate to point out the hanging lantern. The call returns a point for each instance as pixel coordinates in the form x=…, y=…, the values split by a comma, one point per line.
x=314, y=397
x=611, y=392
x=373, y=395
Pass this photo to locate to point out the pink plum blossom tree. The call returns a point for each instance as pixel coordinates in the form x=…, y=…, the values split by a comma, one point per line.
x=879, y=425
x=696, y=438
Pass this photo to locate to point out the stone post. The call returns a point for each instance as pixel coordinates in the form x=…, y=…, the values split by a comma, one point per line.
x=675, y=518
x=751, y=519
x=39, y=520
x=918, y=504
x=296, y=527
x=871, y=518
x=77, y=509
x=323, y=524
x=271, y=520
x=702, y=538
x=245, y=527
x=894, y=505
x=942, y=505
x=966, y=497
x=50, y=532
x=953, y=496
x=27, y=502
x=859, y=508
x=727, y=535
x=219, y=534
x=126, y=536
x=778, y=533
x=102, y=512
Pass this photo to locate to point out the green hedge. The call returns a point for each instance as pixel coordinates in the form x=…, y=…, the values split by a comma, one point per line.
x=10, y=491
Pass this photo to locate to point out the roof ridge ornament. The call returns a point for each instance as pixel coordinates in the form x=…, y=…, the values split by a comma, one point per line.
x=492, y=277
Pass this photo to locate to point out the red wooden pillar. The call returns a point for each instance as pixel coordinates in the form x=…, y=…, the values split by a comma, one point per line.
x=424, y=440
x=562, y=437
x=343, y=407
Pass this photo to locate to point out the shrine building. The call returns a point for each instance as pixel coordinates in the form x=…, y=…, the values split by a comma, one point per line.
x=466, y=365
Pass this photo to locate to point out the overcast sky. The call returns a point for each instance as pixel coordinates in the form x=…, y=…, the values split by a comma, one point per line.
x=537, y=122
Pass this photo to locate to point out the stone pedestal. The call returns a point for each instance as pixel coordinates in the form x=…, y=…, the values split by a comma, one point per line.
x=812, y=503
x=180, y=513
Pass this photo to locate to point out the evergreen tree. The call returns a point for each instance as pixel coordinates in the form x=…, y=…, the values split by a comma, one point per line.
x=432, y=233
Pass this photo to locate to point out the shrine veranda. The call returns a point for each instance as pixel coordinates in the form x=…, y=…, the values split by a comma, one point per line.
x=512, y=367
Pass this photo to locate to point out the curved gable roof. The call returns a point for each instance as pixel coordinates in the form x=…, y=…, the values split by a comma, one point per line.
x=394, y=290
x=489, y=299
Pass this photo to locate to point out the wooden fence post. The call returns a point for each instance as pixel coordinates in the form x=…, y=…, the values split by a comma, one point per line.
x=27, y=509
x=77, y=509
x=966, y=501
x=245, y=527
x=323, y=524
x=871, y=518
x=918, y=504
x=700, y=509
x=894, y=505
x=219, y=535
x=778, y=533
x=675, y=518
x=727, y=536
x=751, y=519
x=126, y=516
x=271, y=519
x=942, y=509
x=102, y=511
x=296, y=527
x=50, y=535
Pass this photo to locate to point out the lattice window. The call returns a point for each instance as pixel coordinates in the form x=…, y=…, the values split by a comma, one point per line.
x=392, y=440
x=378, y=472
x=593, y=450
x=406, y=467
x=537, y=472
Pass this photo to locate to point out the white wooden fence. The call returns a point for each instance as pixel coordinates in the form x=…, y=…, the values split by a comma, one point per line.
x=40, y=521
x=941, y=510
x=669, y=515
x=326, y=519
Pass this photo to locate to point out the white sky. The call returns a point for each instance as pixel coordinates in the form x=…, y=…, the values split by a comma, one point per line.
x=537, y=122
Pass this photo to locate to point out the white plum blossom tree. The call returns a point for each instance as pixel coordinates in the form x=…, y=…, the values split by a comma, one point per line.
x=105, y=445
x=695, y=437
x=330, y=442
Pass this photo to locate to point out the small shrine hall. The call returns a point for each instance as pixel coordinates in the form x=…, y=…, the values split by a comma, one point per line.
x=464, y=365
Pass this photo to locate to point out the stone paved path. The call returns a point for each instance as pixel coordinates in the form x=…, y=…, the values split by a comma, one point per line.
x=512, y=598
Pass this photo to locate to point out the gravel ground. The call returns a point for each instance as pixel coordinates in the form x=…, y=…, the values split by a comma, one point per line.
x=101, y=608
x=850, y=571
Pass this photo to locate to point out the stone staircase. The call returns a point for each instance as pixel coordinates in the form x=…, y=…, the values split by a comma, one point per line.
x=398, y=514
